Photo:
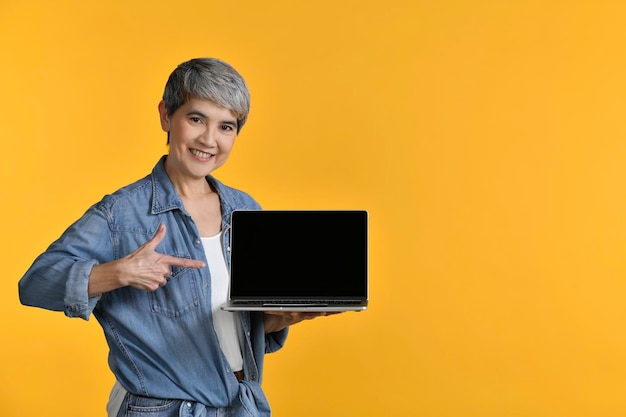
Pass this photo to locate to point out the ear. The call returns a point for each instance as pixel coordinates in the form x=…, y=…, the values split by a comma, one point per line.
x=165, y=118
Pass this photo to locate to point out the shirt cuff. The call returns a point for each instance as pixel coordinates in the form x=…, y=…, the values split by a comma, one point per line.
x=275, y=340
x=77, y=302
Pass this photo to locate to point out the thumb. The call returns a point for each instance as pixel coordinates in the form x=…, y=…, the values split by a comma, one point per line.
x=157, y=238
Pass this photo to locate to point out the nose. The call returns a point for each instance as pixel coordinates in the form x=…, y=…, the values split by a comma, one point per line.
x=209, y=137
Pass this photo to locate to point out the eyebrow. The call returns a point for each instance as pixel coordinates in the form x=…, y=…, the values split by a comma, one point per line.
x=231, y=122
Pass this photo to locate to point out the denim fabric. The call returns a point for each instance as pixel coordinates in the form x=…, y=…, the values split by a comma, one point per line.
x=162, y=343
x=138, y=406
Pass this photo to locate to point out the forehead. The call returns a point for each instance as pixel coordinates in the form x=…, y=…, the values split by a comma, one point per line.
x=206, y=108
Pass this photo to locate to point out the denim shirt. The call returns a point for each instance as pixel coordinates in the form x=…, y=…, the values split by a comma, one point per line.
x=162, y=343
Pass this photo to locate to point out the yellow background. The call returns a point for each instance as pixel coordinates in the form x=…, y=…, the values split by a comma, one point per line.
x=486, y=139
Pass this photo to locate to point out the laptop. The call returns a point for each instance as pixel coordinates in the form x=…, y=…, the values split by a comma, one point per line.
x=298, y=260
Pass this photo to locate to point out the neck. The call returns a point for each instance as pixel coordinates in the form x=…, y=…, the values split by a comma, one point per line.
x=189, y=187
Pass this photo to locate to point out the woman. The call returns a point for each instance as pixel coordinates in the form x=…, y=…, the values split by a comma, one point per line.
x=150, y=262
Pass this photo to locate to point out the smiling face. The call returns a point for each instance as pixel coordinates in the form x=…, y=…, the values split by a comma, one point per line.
x=201, y=135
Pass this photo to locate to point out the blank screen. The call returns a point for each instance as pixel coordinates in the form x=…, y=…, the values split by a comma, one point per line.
x=299, y=254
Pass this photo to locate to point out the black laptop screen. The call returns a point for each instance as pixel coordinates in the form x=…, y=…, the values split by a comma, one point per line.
x=299, y=254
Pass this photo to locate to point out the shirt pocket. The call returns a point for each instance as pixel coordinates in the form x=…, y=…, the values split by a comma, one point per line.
x=180, y=295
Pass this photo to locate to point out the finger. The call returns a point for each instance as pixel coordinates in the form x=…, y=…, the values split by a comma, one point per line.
x=279, y=313
x=153, y=284
x=157, y=238
x=308, y=316
x=183, y=262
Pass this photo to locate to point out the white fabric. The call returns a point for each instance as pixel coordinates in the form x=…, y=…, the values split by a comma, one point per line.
x=115, y=399
x=226, y=323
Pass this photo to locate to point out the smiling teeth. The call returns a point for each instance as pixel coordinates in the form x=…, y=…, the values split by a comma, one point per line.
x=201, y=154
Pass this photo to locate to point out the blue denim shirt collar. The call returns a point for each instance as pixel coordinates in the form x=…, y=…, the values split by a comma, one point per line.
x=166, y=198
x=164, y=195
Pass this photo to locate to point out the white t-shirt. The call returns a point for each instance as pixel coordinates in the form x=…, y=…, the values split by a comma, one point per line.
x=226, y=324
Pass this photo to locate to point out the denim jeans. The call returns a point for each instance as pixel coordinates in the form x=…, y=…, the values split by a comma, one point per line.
x=137, y=406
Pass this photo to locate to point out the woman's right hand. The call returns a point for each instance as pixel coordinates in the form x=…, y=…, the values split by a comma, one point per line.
x=144, y=269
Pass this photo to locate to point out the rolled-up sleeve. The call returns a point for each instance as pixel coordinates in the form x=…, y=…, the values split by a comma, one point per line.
x=76, y=302
x=275, y=340
x=59, y=277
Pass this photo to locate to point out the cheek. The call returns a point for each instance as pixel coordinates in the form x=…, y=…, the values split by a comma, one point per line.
x=227, y=145
x=183, y=136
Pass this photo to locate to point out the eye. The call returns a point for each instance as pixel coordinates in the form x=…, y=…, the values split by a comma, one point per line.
x=195, y=119
x=227, y=127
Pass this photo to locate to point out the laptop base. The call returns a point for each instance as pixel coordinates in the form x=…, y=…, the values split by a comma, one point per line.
x=295, y=307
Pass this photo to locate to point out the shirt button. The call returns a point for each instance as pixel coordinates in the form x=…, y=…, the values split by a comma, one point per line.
x=188, y=404
x=228, y=249
x=197, y=242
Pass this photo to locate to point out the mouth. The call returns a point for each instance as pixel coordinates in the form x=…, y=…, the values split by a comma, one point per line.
x=201, y=155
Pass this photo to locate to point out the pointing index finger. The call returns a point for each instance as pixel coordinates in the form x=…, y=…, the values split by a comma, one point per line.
x=182, y=262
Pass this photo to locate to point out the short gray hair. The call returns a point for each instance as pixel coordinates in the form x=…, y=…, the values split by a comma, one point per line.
x=208, y=79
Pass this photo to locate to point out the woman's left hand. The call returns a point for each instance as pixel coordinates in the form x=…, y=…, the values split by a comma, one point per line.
x=278, y=320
